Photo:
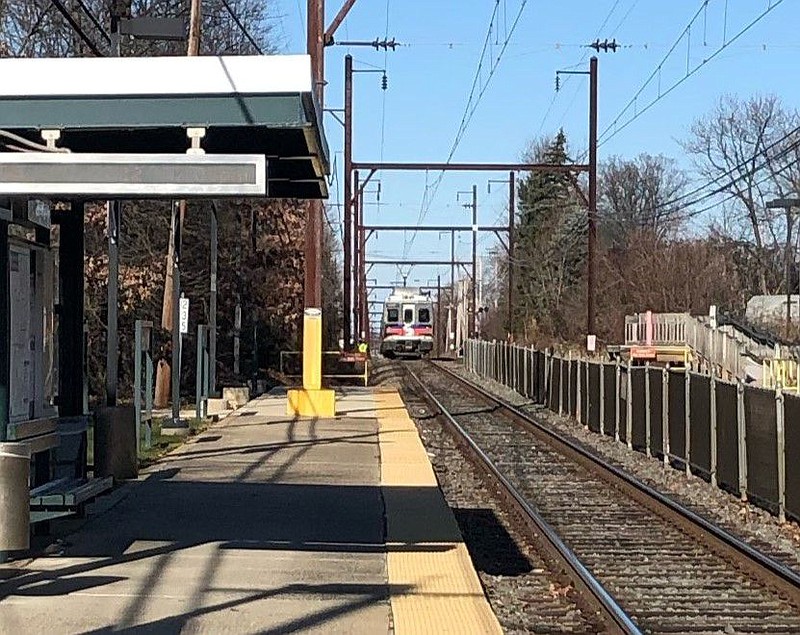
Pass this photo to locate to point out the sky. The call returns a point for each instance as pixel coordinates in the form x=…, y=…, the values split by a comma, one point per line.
x=432, y=72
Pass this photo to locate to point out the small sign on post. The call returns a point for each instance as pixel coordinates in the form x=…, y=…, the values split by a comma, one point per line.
x=591, y=343
x=184, y=316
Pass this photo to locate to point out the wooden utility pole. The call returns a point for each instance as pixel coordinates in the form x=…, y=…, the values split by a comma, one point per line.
x=170, y=307
x=591, y=282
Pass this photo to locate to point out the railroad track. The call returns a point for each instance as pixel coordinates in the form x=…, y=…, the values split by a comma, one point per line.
x=645, y=563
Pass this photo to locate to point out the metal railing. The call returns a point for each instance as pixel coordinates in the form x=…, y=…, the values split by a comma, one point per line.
x=143, y=382
x=203, y=371
x=733, y=435
x=327, y=358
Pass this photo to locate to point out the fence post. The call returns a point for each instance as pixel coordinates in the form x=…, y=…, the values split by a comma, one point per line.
x=629, y=407
x=688, y=417
x=561, y=386
x=602, y=397
x=525, y=375
x=741, y=419
x=647, y=417
x=665, y=415
x=548, y=366
x=547, y=382
x=780, y=414
x=618, y=372
x=713, y=431
x=569, y=383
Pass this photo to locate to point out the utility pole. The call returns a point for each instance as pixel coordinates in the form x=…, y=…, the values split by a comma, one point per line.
x=592, y=216
x=510, y=275
x=787, y=204
x=313, y=240
x=474, y=259
x=362, y=269
x=348, y=195
x=356, y=257
x=170, y=314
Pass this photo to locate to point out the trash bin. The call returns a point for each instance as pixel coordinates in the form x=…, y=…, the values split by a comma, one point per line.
x=115, y=443
x=15, y=468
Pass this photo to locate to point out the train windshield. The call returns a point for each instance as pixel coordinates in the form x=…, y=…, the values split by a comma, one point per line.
x=393, y=314
x=424, y=315
x=408, y=315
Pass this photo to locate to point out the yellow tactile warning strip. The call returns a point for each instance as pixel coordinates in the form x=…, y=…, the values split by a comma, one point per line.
x=432, y=584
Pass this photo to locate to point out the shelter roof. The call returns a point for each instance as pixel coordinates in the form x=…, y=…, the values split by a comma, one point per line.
x=247, y=104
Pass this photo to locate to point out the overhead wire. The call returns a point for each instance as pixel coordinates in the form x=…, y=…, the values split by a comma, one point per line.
x=241, y=26
x=471, y=107
x=613, y=128
x=58, y=4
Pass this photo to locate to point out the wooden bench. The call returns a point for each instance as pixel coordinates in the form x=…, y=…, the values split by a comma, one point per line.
x=64, y=495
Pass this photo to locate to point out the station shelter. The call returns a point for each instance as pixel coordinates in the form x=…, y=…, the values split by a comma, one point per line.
x=84, y=129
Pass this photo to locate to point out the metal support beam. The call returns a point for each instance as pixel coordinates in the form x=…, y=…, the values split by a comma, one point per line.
x=356, y=281
x=331, y=30
x=212, y=303
x=348, y=210
x=112, y=311
x=435, y=228
x=472, y=167
x=417, y=262
x=474, y=260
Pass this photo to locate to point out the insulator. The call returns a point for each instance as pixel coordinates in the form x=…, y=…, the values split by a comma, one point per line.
x=384, y=82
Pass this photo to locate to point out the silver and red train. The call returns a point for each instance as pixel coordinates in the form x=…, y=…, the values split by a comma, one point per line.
x=407, y=324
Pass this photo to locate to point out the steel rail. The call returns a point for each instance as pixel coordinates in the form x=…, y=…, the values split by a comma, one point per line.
x=763, y=566
x=607, y=606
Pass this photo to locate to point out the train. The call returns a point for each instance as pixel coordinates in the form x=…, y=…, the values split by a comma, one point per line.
x=407, y=324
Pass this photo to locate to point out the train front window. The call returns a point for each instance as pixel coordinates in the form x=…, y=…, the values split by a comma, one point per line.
x=424, y=315
x=408, y=316
x=393, y=315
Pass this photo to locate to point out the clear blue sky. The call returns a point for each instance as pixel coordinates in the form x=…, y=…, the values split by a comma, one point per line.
x=431, y=74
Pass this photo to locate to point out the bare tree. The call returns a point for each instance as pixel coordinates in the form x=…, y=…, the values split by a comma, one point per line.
x=640, y=195
x=37, y=28
x=747, y=150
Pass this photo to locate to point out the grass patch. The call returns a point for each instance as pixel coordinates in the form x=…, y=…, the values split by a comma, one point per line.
x=161, y=443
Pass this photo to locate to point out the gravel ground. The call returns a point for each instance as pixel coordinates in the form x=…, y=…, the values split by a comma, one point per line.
x=755, y=525
x=525, y=594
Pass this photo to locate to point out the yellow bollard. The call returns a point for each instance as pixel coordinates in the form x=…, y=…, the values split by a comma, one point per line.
x=312, y=400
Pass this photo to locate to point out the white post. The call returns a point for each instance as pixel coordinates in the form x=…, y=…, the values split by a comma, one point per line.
x=780, y=415
x=647, y=421
x=741, y=419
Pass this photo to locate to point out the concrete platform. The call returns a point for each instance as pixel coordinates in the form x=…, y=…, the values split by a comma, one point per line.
x=264, y=524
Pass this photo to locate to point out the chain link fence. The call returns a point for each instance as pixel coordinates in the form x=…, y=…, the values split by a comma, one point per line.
x=735, y=436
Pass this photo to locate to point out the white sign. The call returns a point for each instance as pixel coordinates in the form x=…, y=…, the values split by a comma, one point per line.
x=591, y=343
x=184, y=319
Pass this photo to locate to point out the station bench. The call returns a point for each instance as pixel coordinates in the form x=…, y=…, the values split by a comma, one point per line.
x=61, y=487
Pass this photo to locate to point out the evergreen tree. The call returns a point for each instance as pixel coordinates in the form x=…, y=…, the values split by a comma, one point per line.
x=551, y=238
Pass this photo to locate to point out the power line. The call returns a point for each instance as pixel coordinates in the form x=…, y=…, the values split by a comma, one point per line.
x=605, y=136
x=470, y=109
x=58, y=4
x=95, y=21
x=242, y=27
